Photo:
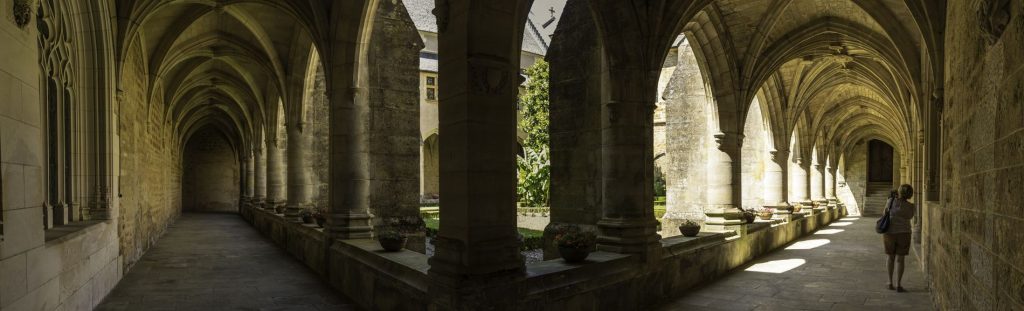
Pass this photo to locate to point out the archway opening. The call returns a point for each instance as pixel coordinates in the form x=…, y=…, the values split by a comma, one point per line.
x=210, y=177
x=880, y=162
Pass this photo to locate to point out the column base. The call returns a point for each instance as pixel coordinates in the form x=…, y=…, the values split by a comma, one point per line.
x=468, y=277
x=293, y=212
x=273, y=205
x=99, y=213
x=781, y=210
x=346, y=226
x=629, y=236
x=487, y=285
x=723, y=219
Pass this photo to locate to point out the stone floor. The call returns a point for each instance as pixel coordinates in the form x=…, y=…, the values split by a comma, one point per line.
x=841, y=267
x=218, y=262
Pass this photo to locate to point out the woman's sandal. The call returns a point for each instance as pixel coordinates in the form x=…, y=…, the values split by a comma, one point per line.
x=890, y=287
x=900, y=289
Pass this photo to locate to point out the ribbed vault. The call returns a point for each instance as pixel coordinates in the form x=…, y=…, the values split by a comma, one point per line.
x=222, y=63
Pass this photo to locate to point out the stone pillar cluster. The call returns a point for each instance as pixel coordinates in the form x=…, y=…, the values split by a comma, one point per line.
x=798, y=192
x=298, y=172
x=275, y=175
x=260, y=178
x=776, y=183
x=724, y=178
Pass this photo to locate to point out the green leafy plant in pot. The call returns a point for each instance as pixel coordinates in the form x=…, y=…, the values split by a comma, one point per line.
x=391, y=240
x=574, y=244
x=396, y=230
x=689, y=228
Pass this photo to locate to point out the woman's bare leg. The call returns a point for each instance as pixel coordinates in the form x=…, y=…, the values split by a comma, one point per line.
x=889, y=264
x=899, y=271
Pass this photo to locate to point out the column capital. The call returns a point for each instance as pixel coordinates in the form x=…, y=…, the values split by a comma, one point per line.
x=779, y=156
x=728, y=142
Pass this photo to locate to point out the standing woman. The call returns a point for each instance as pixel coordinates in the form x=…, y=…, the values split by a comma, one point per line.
x=897, y=238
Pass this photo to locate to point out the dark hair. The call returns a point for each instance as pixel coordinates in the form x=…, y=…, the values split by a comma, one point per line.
x=892, y=194
x=906, y=192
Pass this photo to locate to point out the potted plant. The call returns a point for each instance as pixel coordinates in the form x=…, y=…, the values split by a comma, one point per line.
x=279, y=209
x=320, y=216
x=689, y=228
x=391, y=240
x=307, y=216
x=797, y=207
x=574, y=244
x=765, y=213
x=749, y=216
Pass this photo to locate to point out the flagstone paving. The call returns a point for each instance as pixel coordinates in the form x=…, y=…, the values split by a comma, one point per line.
x=218, y=262
x=840, y=267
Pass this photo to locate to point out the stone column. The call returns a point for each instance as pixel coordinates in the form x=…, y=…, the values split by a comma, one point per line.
x=245, y=195
x=478, y=237
x=260, y=176
x=724, y=182
x=275, y=175
x=817, y=180
x=776, y=183
x=798, y=191
x=477, y=262
x=830, y=184
x=627, y=159
x=250, y=182
x=298, y=172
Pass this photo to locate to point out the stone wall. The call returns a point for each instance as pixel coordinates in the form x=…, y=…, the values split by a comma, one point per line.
x=72, y=272
x=149, y=164
x=854, y=173
x=975, y=258
x=380, y=280
x=211, y=174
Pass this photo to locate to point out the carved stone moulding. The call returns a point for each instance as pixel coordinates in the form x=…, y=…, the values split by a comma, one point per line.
x=995, y=17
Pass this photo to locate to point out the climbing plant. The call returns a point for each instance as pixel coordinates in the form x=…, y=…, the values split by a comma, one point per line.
x=534, y=164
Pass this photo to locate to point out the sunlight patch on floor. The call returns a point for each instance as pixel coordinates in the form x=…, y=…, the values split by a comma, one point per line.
x=809, y=244
x=829, y=231
x=840, y=224
x=777, y=266
x=849, y=219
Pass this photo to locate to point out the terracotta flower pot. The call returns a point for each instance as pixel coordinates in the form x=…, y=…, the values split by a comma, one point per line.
x=307, y=219
x=393, y=245
x=572, y=254
x=320, y=221
x=689, y=231
x=749, y=218
x=766, y=216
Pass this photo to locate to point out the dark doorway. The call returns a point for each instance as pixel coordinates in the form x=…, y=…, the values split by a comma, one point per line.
x=879, y=161
x=211, y=173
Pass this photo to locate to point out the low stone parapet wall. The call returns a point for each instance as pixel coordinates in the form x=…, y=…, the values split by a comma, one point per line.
x=606, y=281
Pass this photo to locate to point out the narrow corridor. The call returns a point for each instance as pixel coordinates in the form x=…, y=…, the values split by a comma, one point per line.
x=218, y=262
x=840, y=267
